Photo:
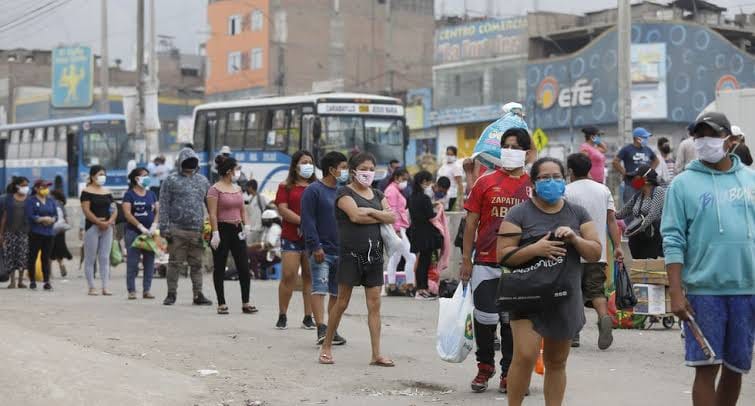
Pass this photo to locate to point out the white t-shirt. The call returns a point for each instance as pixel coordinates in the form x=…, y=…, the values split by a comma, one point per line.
x=596, y=198
x=451, y=171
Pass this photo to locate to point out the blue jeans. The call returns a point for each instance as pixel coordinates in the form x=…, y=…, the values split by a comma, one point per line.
x=132, y=263
x=324, y=275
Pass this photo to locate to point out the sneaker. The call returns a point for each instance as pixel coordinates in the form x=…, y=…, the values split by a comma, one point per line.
x=605, y=332
x=47, y=286
x=33, y=286
x=484, y=373
x=393, y=291
x=338, y=340
x=575, y=342
x=200, y=300
x=282, y=322
x=147, y=295
x=321, y=331
x=131, y=295
x=170, y=299
x=308, y=323
x=503, y=385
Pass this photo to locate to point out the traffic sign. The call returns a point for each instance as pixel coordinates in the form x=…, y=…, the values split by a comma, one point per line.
x=540, y=139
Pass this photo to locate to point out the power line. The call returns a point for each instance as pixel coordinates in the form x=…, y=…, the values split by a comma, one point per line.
x=34, y=14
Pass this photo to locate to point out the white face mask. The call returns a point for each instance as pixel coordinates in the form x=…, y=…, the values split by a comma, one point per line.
x=101, y=180
x=512, y=158
x=306, y=170
x=428, y=191
x=450, y=159
x=236, y=176
x=24, y=190
x=710, y=149
x=402, y=185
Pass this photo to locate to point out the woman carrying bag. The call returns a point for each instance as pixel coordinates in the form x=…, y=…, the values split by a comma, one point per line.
x=645, y=208
x=140, y=208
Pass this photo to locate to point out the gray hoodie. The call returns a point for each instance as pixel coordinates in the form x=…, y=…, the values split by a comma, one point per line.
x=182, y=198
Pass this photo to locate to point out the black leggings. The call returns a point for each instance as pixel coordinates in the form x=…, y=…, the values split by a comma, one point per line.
x=425, y=258
x=37, y=243
x=229, y=241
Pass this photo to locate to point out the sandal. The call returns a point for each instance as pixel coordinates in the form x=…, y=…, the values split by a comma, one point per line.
x=249, y=309
x=383, y=362
x=222, y=309
x=326, y=359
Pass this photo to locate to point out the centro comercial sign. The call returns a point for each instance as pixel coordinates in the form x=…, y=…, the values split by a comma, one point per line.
x=577, y=95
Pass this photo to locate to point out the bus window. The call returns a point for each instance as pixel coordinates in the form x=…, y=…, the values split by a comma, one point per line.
x=15, y=138
x=200, y=131
x=342, y=133
x=294, y=131
x=61, y=149
x=218, y=138
x=48, y=149
x=37, y=142
x=278, y=134
x=255, y=130
x=24, y=147
x=235, y=136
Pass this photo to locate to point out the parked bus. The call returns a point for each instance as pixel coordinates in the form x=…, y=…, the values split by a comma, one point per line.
x=63, y=150
x=263, y=133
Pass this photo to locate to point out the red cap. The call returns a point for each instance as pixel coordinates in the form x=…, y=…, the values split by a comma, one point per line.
x=41, y=182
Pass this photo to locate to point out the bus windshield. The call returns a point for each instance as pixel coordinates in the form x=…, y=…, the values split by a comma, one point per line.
x=383, y=137
x=106, y=144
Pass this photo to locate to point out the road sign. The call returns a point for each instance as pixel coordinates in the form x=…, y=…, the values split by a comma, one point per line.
x=72, y=78
x=541, y=140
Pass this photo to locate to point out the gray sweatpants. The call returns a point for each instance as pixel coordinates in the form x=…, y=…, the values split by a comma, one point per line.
x=97, y=245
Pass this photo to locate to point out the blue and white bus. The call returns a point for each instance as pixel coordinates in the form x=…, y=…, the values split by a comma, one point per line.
x=63, y=150
x=263, y=133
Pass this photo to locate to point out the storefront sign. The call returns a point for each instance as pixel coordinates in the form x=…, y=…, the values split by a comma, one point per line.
x=579, y=94
x=483, y=39
x=476, y=114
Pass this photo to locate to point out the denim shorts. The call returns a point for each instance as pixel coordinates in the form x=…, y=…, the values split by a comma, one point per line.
x=292, y=246
x=324, y=275
x=728, y=322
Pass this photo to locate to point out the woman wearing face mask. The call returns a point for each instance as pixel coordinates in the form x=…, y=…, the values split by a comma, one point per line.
x=288, y=199
x=100, y=213
x=140, y=209
x=41, y=213
x=596, y=150
x=424, y=237
x=14, y=230
x=230, y=225
x=396, y=200
x=547, y=214
x=360, y=210
x=646, y=209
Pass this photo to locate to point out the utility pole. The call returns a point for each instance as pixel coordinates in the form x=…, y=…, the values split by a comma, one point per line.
x=140, y=72
x=624, y=46
x=152, y=130
x=388, y=45
x=104, y=60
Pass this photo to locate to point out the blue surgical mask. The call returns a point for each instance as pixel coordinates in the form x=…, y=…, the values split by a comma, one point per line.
x=343, y=177
x=596, y=139
x=306, y=170
x=440, y=195
x=144, y=181
x=550, y=190
x=644, y=142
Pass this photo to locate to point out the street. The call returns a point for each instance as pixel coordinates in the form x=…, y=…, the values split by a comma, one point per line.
x=67, y=348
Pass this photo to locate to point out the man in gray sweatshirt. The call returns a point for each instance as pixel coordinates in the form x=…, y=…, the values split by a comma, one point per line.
x=182, y=214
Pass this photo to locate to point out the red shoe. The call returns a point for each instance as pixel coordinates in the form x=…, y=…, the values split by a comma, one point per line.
x=484, y=373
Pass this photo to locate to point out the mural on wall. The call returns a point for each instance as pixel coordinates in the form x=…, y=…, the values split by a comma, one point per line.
x=698, y=63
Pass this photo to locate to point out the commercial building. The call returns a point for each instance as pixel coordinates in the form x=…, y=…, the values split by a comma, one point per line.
x=276, y=47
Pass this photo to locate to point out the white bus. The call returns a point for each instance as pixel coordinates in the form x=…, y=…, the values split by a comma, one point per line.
x=263, y=133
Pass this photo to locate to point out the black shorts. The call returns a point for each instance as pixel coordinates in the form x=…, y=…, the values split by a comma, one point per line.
x=352, y=273
x=593, y=282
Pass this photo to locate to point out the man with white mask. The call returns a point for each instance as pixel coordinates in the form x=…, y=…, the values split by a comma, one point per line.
x=708, y=230
x=490, y=199
x=452, y=170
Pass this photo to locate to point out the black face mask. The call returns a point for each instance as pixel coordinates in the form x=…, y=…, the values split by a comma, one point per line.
x=666, y=149
x=191, y=163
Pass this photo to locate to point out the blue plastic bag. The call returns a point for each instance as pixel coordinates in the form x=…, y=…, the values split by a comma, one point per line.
x=488, y=147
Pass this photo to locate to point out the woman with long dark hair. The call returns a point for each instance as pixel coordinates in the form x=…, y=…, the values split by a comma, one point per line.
x=14, y=230
x=230, y=225
x=645, y=208
x=100, y=212
x=424, y=237
x=140, y=208
x=394, y=194
x=41, y=213
x=301, y=173
x=360, y=210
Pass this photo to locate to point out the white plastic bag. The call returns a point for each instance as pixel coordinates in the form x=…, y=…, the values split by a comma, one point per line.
x=455, y=337
x=391, y=240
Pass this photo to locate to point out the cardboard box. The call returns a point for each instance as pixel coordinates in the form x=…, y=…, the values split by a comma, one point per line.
x=648, y=271
x=651, y=299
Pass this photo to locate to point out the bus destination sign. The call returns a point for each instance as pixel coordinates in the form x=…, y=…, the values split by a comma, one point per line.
x=361, y=109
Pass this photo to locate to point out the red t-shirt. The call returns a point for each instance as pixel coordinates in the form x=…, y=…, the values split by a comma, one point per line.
x=491, y=197
x=291, y=197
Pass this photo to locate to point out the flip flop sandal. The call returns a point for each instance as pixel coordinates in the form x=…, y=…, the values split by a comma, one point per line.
x=326, y=359
x=382, y=362
x=249, y=309
x=223, y=309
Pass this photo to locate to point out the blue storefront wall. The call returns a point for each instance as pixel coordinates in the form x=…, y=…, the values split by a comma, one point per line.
x=698, y=62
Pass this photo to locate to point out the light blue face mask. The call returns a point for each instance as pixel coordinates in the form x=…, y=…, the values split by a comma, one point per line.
x=644, y=141
x=343, y=177
x=596, y=139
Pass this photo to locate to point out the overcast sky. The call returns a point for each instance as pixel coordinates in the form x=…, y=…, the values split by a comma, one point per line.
x=78, y=21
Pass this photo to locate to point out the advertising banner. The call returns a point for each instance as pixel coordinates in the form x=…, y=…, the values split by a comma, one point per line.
x=481, y=39
x=649, y=81
x=72, y=77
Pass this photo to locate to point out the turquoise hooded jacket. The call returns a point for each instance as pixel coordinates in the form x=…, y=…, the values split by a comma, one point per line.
x=708, y=226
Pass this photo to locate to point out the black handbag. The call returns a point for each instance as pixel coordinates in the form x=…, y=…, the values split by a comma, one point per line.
x=625, y=297
x=536, y=285
x=459, y=240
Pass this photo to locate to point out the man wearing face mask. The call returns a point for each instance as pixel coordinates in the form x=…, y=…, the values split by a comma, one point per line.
x=319, y=227
x=595, y=149
x=633, y=156
x=490, y=199
x=182, y=214
x=708, y=230
x=452, y=170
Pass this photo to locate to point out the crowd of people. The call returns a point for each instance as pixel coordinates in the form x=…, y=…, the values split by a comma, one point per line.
x=332, y=233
